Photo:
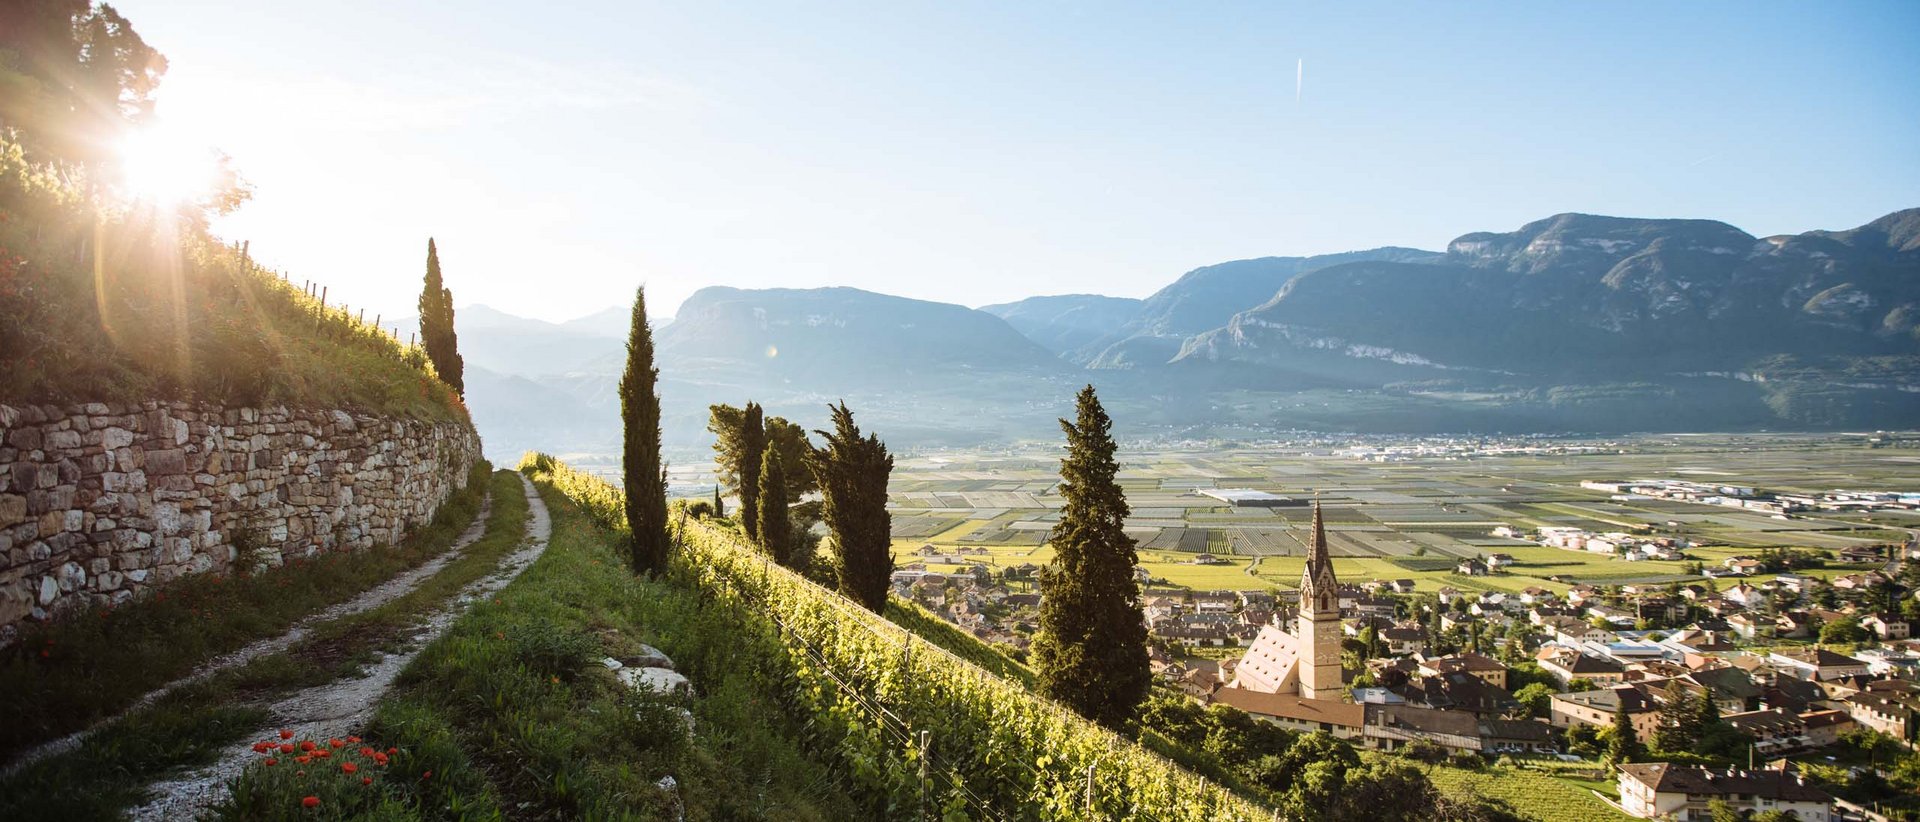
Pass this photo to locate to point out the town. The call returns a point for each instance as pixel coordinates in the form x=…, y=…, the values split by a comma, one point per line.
x=1767, y=680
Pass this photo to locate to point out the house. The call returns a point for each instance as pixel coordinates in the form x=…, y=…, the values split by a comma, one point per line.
x=1497, y=561
x=1744, y=595
x=1535, y=595
x=1857, y=582
x=1660, y=790
x=1888, y=626
x=1404, y=640
x=1890, y=706
x=1817, y=664
x=1471, y=568
x=1596, y=708
x=1215, y=602
x=1459, y=691
x=1480, y=665
x=1861, y=554
x=1733, y=689
x=1574, y=632
x=1373, y=607
x=1294, y=713
x=1209, y=559
x=1744, y=566
x=1391, y=726
x=1750, y=626
x=1401, y=586
x=1568, y=664
x=1793, y=625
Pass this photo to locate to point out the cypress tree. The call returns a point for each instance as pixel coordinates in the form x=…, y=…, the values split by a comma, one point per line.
x=852, y=472
x=753, y=441
x=645, y=473
x=776, y=531
x=436, y=325
x=1624, y=745
x=719, y=508
x=1091, y=649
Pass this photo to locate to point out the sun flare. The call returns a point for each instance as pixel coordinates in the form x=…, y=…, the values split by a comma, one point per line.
x=161, y=166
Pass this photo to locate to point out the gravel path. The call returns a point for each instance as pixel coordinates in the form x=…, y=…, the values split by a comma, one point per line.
x=368, y=600
x=339, y=708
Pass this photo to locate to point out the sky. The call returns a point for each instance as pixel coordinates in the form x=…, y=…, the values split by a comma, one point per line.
x=978, y=152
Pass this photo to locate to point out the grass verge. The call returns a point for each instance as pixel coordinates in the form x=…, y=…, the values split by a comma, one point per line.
x=110, y=770
x=75, y=672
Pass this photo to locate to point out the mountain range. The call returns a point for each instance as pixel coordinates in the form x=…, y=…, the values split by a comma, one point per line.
x=1571, y=323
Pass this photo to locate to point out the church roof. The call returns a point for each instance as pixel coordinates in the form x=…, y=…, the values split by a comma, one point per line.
x=1318, y=573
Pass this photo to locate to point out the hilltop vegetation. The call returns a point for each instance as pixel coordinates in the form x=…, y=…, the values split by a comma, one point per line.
x=111, y=295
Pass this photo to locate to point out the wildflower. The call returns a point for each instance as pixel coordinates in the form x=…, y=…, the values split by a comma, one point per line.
x=366, y=751
x=286, y=734
x=392, y=751
x=261, y=747
x=303, y=759
x=335, y=743
x=286, y=748
x=323, y=753
x=380, y=758
x=306, y=744
x=354, y=739
x=427, y=775
x=366, y=780
x=556, y=680
x=272, y=761
x=310, y=802
x=348, y=767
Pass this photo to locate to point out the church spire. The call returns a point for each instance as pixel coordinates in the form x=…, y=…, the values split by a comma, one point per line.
x=1318, y=588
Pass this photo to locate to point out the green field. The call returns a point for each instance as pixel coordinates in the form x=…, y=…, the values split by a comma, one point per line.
x=1424, y=513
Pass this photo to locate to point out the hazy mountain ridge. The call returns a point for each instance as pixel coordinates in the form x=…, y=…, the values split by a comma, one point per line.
x=1573, y=322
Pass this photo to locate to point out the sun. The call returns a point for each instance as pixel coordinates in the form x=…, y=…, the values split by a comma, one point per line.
x=162, y=167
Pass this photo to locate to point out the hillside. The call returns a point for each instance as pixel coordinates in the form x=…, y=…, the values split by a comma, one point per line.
x=1206, y=298
x=171, y=313
x=1066, y=322
x=1578, y=299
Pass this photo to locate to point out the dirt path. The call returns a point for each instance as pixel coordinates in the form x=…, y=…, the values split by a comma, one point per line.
x=368, y=600
x=338, y=708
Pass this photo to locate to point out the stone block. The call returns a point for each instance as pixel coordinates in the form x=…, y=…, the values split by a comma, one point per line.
x=166, y=462
x=13, y=510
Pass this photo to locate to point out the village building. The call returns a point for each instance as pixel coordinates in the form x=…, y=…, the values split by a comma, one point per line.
x=1659, y=790
x=1305, y=662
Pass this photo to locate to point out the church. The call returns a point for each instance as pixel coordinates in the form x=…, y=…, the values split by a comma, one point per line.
x=1306, y=661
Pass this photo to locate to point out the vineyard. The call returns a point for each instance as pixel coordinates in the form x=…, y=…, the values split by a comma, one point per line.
x=932, y=733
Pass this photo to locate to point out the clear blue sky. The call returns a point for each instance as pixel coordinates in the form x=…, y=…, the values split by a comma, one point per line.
x=979, y=152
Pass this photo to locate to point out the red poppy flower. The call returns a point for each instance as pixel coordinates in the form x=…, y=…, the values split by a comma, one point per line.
x=348, y=767
x=287, y=748
x=306, y=744
x=380, y=757
x=272, y=762
x=427, y=775
x=310, y=802
x=391, y=751
x=335, y=743
x=286, y=734
x=366, y=751
x=303, y=759
x=354, y=739
x=260, y=747
x=323, y=753
x=366, y=780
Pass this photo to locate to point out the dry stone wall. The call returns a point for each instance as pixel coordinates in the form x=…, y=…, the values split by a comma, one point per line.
x=101, y=501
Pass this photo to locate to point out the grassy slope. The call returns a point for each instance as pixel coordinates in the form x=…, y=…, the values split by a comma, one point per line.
x=109, y=771
x=174, y=314
x=512, y=715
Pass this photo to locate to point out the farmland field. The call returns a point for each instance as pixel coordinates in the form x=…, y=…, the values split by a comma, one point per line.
x=1413, y=518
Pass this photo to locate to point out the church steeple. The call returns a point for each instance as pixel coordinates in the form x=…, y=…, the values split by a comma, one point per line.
x=1318, y=624
x=1319, y=591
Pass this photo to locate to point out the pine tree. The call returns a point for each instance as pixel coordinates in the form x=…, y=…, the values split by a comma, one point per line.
x=852, y=471
x=753, y=441
x=1624, y=745
x=1091, y=649
x=1707, y=714
x=776, y=531
x=436, y=325
x=645, y=473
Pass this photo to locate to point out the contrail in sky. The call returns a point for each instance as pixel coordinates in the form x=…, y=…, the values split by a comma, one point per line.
x=1299, y=78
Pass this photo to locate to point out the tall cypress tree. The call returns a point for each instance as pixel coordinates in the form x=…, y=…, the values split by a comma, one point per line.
x=646, y=474
x=1091, y=649
x=753, y=441
x=776, y=531
x=852, y=471
x=436, y=325
x=1624, y=745
x=719, y=508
